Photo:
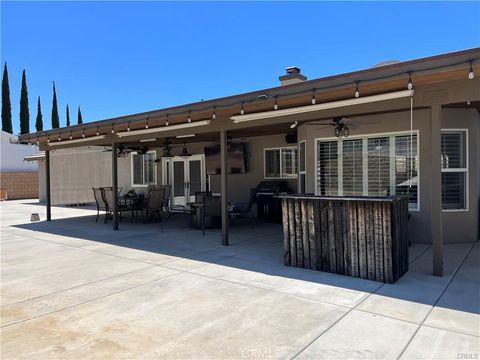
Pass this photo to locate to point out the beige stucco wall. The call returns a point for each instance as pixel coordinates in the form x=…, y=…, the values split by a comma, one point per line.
x=459, y=226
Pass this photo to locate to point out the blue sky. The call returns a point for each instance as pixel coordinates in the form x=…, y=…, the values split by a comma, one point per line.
x=116, y=58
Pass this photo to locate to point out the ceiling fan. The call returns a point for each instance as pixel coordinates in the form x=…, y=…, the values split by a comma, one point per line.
x=340, y=127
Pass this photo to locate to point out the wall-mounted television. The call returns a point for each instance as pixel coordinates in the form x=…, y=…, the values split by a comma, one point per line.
x=236, y=159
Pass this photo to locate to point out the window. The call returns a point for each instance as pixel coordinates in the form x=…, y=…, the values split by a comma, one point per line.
x=454, y=169
x=143, y=169
x=369, y=166
x=301, y=168
x=280, y=163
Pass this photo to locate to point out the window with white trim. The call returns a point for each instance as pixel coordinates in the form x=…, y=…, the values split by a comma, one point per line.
x=302, y=167
x=280, y=163
x=373, y=165
x=454, y=169
x=143, y=169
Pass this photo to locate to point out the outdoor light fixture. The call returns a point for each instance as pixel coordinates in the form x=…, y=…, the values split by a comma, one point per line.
x=113, y=130
x=148, y=140
x=160, y=129
x=357, y=92
x=189, y=120
x=128, y=126
x=185, y=136
x=314, y=101
x=471, y=74
x=294, y=125
x=323, y=106
x=242, y=111
x=410, y=83
x=70, y=137
x=59, y=138
x=214, y=116
x=83, y=133
x=185, y=153
x=166, y=121
x=97, y=131
x=146, y=124
x=275, y=106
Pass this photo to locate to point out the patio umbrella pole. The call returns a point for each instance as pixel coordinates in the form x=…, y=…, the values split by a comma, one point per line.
x=115, y=186
x=224, y=186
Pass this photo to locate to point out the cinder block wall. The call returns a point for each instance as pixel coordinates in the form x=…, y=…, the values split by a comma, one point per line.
x=19, y=184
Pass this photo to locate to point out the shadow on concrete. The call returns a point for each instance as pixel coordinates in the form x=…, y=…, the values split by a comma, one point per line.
x=260, y=250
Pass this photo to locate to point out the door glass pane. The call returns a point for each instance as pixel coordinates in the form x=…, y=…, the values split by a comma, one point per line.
x=379, y=166
x=327, y=168
x=178, y=178
x=352, y=167
x=137, y=169
x=195, y=169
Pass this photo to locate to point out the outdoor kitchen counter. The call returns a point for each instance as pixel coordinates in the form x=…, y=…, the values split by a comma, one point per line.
x=360, y=236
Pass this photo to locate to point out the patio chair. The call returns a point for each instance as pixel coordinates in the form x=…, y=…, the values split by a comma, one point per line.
x=243, y=210
x=155, y=203
x=107, y=194
x=201, y=195
x=101, y=206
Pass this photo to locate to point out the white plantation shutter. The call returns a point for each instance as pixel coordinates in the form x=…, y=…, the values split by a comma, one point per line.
x=289, y=162
x=352, y=163
x=379, y=166
x=327, y=168
x=143, y=169
x=406, y=168
x=454, y=170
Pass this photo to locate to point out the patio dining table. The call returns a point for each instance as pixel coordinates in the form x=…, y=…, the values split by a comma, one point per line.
x=211, y=222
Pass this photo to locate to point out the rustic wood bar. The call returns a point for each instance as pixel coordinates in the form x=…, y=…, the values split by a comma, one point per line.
x=364, y=237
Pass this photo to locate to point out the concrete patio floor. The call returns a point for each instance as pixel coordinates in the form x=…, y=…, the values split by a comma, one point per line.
x=73, y=288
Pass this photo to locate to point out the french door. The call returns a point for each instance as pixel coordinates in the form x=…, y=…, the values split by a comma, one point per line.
x=185, y=176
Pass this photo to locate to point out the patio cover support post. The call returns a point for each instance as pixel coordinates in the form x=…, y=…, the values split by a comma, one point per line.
x=224, y=185
x=47, y=185
x=115, y=186
x=436, y=188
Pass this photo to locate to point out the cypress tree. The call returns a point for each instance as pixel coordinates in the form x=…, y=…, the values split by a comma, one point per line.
x=55, y=118
x=79, y=116
x=24, y=112
x=68, y=116
x=39, y=121
x=6, y=104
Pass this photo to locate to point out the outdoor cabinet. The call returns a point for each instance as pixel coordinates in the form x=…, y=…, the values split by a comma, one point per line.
x=364, y=237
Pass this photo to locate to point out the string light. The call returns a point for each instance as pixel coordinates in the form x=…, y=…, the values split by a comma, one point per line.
x=70, y=137
x=83, y=133
x=97, y=131
x=214, y=116
x=275, y=106
x=146, y=124
x=128, y=126
x=471, y=74
x=314, y=101
x=410, y=83
x=59, y=138
x=357, y=92
x=242, y=111
x=113, y=130
x=189, y=117
x=166, y=121
x=48, y=140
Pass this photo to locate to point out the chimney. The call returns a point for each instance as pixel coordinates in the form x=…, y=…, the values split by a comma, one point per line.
x=292, y=75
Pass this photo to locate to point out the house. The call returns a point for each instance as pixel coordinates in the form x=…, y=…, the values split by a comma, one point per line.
x=19, y=179
x=410, y=128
